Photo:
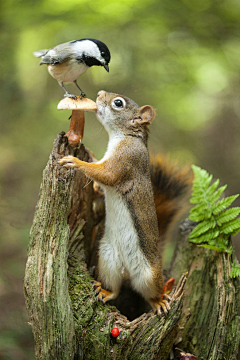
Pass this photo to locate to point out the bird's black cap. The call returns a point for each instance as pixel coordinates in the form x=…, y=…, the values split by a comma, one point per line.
x=102, y=47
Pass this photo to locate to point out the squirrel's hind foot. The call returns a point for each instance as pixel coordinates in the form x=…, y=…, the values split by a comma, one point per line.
x=161, y=304
x=165, y=300
x=101, y=294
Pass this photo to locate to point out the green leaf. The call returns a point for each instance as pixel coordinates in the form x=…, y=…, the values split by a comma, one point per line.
x=217, y=194
x=220, y=249
x=200, y=208
x=235, y=232
x=227, y=215
x=200, y=212
x=223, y=204
x=212, y=188
x=197, y=217
x=202, y=227
x=195, y=200
x=231, y=226
x=216, y=223
x=210, y=235
x=235, y=271
x=202, y=177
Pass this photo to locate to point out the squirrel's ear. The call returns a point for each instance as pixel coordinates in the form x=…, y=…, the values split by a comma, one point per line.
x=147, y=114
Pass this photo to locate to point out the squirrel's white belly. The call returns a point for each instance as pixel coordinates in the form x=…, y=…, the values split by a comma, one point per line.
x=67, y=72
x=119, y=250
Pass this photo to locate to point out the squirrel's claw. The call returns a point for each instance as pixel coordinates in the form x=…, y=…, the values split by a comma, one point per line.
x=101, y=294
x=161, y=304
x=165, y=300
x=167, y=297
x=96, y=287
x=69, y=162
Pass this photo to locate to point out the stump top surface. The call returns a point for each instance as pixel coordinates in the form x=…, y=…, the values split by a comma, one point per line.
x=79, y=103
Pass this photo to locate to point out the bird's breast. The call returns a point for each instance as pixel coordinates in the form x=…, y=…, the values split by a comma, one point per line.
x=67, y=71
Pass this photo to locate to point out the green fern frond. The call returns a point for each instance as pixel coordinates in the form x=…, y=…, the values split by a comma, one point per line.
x=202, y=228
x=235, y=271
x=217, y=248
x=216, y=195
x=215, y=223
x=227, y=215
x=223, y=204
x=231, y=226
x=202, y=210
x=230, y=250
x=212, y=188
x=207, y=237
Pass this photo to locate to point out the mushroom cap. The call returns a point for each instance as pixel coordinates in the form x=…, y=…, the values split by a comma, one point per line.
x=80, y=103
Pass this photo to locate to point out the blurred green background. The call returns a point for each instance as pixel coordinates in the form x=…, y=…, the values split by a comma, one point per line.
x=180, y=56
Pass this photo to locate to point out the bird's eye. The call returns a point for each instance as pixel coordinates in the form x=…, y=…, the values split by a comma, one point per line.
x=118, y=103
x=102, y=53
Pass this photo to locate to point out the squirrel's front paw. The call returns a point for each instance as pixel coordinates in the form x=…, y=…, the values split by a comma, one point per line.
x=69, y=162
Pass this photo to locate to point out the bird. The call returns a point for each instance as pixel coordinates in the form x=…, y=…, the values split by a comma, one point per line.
x=67, y=61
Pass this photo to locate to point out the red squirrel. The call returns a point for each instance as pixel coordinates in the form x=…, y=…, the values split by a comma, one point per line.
x=141, y=202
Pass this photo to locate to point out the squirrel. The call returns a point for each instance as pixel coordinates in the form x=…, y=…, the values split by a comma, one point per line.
x=142, y=201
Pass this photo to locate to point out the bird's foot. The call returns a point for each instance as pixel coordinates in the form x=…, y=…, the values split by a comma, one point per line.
x=83, y=95
x=72, y=96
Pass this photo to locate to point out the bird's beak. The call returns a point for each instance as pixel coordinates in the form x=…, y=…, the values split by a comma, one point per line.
x=106, y=67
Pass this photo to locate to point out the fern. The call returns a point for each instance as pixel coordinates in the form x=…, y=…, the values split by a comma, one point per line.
x=235, y=270
x=216, y=223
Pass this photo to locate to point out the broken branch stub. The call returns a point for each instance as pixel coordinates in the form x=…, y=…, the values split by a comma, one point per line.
x=78, y=106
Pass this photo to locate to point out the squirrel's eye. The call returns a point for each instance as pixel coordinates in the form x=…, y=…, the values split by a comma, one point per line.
x=118, y=103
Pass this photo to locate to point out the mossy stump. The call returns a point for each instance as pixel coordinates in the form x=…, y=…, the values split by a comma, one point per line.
x=68, y=322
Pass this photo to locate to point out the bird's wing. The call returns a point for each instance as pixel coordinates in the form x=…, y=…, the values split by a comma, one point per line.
x=56, y=55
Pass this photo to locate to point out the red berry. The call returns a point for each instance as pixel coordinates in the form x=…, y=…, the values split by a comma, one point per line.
x=115, y=332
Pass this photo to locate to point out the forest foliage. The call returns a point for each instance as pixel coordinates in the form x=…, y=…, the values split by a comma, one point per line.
x=181, y=57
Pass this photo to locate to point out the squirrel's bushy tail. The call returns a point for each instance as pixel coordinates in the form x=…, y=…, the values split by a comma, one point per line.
x=171, y=187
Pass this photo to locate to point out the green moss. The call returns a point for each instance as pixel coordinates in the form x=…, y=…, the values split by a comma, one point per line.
x=90, y=316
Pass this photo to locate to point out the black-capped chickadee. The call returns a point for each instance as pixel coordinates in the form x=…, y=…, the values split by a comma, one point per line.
x=66, y=62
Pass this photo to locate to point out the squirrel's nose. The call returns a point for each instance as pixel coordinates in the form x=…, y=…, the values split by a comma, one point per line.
x=100, y=93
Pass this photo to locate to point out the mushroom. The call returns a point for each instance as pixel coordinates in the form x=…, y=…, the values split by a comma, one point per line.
x=78, y=106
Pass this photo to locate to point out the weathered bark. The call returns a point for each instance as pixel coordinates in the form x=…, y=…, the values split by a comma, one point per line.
x=66, y=319
x=46, y=284
x=211, y=299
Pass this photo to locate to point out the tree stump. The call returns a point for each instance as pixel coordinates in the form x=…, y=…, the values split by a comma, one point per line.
x=68, y=322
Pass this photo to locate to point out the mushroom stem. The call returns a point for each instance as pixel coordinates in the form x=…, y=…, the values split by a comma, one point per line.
x=78, y=106
x=75, y=132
